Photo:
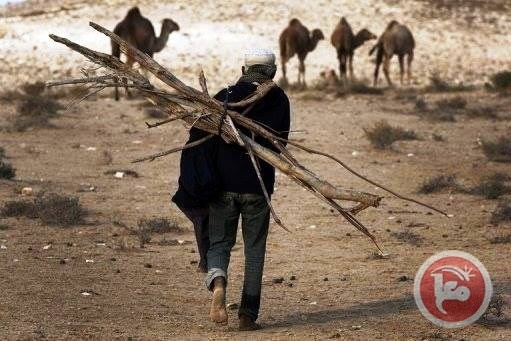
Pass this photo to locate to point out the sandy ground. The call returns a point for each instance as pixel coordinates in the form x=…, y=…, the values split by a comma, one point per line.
x=463, y=43
x=341, y=290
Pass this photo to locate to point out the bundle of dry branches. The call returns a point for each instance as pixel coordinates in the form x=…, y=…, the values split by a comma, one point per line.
x=198, y=109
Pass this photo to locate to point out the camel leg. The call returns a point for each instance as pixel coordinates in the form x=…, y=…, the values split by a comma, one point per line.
x=283, y=62
x=386, y=67
x=401, y=67
x=352, y=76
x=342, y=66
x=376, y=73
x=129, y=62
x=301, y=71
x=409, y=68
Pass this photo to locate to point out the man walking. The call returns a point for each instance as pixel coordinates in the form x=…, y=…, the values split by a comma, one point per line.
x=240, y=193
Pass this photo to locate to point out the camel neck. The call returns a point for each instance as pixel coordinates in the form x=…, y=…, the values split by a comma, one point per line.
x=161, y=41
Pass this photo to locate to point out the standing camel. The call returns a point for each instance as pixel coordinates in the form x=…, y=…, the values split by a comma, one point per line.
x=345, y=43
x=139, y=32
x=296, y=39
x=396, y=39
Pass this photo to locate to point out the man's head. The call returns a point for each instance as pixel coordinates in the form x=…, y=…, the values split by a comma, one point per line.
x=260, y=61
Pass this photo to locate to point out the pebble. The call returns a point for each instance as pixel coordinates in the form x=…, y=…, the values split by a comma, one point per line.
x=292, y=278
x=27, y=191
x=403, y=278
x=278, y=280
x=148, y=265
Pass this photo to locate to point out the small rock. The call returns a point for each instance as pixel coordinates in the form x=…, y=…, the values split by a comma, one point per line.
x=89, y=261
x=119, y=175
x=193, y=262
x=148, y=265
x=63, y=261
x=356, y=327
x=313, y=303
x=325, y=279
x=46, y=247
x=27, y=191
x=445, y=235
x=3, y=247
x=292, y=278
x=91, y=149
x=403, y=278
x=113, y=259
x=348, y=234
x=278, y=280
x=118, y=271
x=290, y=285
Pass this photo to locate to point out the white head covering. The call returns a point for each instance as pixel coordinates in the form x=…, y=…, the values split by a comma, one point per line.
x=260, y=56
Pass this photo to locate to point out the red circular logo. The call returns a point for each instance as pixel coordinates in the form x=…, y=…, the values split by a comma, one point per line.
x=452, y=289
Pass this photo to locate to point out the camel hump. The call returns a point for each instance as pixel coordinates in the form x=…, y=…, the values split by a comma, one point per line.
x=133, y=12
x=294, y=22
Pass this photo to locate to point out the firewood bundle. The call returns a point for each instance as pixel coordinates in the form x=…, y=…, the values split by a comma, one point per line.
x=198, y=109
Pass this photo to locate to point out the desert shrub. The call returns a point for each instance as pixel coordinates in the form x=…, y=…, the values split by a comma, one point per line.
x=35, y=111
x=158, y=225
x=358, y=87
x=492, y=187
x=7, y=171
x=439, y=183
x=456, y=103
x=437, y=84
x=35, y=106
x=144, y=236
x=383, y=135
x=501, y=239
x=421, y=104
x=499, y=151
x=18, y=209
x=408, y=237
x=56, y=209
x=496, y=306
x=487, y=112
x=502, y=213
x=501, y=80
x=52, y=209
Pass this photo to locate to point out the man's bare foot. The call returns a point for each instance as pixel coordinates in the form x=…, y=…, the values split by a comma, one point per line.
x=218, y=311
x=247, y=324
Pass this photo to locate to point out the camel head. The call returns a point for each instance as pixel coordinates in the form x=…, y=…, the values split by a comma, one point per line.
x=169, y=25
x=364, y=35
x=317, y=35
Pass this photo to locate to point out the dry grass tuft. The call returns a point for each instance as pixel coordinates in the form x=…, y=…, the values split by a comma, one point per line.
x=34, y=105
x=159, y=225
x=439, y=183
x=502, y=213
x=51, y=209
x=383, y=135
x=499, y=151
x=437, y=84
x=408, y=237
x=501, y=81
x=492, y=187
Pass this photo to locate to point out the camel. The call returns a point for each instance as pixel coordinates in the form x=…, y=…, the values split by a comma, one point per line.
x=396, y=39
x=139, y=32
x=346, y=43
x=296, y=39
